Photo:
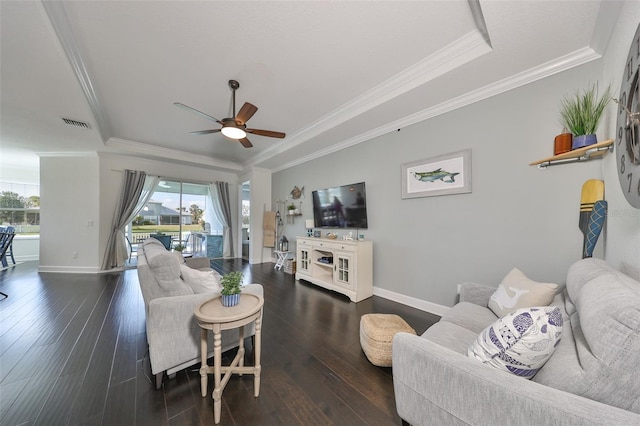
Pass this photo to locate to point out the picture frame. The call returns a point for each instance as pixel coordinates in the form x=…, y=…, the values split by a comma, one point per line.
x=445, y=174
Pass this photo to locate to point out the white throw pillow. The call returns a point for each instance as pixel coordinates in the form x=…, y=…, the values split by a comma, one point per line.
x=521, y=342
x=517, y=291
x=200, y=281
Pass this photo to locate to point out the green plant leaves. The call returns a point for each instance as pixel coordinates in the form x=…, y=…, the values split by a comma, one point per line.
x=231, y=283
x=581, y=114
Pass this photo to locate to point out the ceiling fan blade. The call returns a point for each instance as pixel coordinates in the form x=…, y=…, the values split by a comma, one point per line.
x=204, y=132
x=245, y=142
x=188, y=108
x=246, y=112
x=269, y=133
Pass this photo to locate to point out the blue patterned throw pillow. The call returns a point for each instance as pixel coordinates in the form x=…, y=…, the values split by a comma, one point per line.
x=521, y=342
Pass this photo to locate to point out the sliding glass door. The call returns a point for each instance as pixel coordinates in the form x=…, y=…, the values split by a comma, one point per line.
x=180, y=214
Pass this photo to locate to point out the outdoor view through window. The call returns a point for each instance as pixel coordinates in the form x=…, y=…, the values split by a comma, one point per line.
x=20, y=207
x=176, y=210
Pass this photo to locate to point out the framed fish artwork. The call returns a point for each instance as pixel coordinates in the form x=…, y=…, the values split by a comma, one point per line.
x=442, y=175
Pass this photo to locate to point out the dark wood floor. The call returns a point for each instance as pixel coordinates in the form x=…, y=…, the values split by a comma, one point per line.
x=73, y=351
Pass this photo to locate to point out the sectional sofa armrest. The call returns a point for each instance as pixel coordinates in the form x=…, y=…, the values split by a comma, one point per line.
x=198, y=262
x=435, y=385
x=478, y=294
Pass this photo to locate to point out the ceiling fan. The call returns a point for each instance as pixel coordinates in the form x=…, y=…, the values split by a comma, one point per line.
x=234, y=127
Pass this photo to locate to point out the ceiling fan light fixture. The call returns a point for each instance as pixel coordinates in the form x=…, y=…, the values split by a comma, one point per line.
x=233, y=132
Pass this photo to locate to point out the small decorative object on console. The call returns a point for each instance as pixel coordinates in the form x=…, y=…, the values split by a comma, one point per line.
x=309, y=224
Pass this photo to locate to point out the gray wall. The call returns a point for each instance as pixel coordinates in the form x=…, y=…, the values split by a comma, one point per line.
x=516, y=216
x=79, y=195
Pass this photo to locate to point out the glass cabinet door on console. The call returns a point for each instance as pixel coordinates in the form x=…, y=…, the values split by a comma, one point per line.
x=303, y=260
x=343, y=269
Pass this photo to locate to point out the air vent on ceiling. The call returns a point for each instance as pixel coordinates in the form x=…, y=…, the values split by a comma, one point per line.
x=75, y=123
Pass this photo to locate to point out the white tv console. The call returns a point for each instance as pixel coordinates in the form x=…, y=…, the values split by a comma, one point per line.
x=342, y=266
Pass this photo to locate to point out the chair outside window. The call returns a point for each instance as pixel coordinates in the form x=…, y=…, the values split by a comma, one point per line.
x=133, y=247
x=184, y=243
x=6, y=245
x=164, y=239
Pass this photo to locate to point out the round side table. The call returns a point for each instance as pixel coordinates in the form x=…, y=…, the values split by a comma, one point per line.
x=211, y=315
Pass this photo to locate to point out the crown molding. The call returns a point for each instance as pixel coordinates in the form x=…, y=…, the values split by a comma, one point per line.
x=60, y=21
x=563, y=63
x=153, y=151
x=79, y=154
x=461, y=51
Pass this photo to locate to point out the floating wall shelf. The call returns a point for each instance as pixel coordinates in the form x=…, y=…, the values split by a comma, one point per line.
x=581, y=154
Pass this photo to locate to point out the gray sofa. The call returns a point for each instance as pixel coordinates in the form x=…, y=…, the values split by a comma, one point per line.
x=172, y=331
x=591, y=378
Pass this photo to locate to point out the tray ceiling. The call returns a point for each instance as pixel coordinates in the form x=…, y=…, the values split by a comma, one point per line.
x=329, y=74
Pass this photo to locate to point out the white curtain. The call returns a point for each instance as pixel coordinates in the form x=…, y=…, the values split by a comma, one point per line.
x=136, y=191
x=219, y=194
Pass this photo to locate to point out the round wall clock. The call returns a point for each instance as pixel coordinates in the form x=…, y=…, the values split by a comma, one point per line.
x=628, y=137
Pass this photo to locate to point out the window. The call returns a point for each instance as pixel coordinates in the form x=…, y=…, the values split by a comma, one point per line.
x=176, y=209
x=20, y=207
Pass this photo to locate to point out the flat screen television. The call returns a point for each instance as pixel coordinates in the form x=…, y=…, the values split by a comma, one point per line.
x=340, y=207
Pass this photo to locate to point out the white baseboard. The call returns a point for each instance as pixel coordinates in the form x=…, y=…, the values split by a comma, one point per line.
x=70, y=269
x=27, y=258
x=423, y=305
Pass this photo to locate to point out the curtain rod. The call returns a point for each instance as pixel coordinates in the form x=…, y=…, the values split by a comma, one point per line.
x=171, y=178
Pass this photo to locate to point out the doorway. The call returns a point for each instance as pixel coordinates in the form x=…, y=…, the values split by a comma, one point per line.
x=246, y=219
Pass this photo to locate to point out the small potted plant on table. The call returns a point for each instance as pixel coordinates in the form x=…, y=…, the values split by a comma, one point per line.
x=231, y=288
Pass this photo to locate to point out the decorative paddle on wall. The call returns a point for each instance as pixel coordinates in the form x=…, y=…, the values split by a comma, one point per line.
x=592, y=192
x=596, y=222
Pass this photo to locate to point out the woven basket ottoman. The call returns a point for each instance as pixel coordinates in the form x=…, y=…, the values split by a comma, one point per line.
x=376, y=333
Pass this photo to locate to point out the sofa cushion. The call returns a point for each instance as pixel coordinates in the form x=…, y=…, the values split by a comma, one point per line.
x=200, y=281
x=516, y=291
x=470, y=316
x=450, y=336
x=600, y=363
x=521, y=342
x=166, y=270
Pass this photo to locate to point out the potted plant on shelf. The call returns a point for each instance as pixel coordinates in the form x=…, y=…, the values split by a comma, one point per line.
x=231, y=288
x=581, y=114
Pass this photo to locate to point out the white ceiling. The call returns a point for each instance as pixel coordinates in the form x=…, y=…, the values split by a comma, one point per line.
x=328, y=73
